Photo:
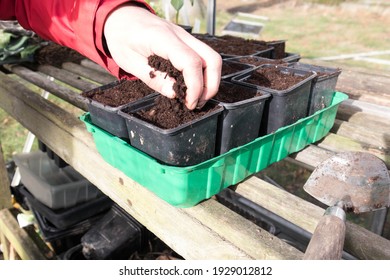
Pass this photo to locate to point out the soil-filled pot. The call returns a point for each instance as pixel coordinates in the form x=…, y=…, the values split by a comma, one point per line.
x=256, y=60
x=289, y=89
x=104, y=103
x=187, y=144
x=323, y=86
x=291, y=57
x=233, y=68
x=231, y=46
x=240, y=120
x=279, y=49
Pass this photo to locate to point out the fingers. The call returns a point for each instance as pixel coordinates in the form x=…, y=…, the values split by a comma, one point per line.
x=147, y=35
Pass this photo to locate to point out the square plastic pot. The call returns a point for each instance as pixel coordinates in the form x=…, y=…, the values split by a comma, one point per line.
x=284, y=107
x=187, y=144
x=279, y=49
x=256, y=61
x=240, y=121
x=263, y=49
x=233, y=68
x=291, y=57
x=323, y=86
x=53, y=186
x=107, y=117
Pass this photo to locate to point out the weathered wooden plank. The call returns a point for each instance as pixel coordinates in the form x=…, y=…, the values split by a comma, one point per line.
x=5, y=246
x=338, y=143
x=378, y=138
x=358, y=241
x=371, y=122
x=353, y=106
x=43, y=82
x=67, y=77
x=241, y=233
x=18, y=238
x=94, y=75
x=92, y=65
x=5, y=192
x=362, y=84
x=190, y=236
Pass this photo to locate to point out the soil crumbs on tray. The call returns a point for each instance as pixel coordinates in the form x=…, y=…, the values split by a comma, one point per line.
x=125, y=92
x=274, y=78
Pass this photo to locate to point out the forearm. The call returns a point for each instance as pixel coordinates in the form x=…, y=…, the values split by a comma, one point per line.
x=77, y=24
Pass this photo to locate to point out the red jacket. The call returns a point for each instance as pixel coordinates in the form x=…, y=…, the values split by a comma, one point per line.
x=77, y=24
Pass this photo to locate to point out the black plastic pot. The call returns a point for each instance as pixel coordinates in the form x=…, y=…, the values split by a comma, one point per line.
x=187, y=28
x=186, y=145
x=323, y=86
x=279, y=49
x=233, y=65
x=240, y=121
x=107, y=117
x=291, y=57
x=285, y=106
x=263, y=49
x=116, y=236
x=256, y=61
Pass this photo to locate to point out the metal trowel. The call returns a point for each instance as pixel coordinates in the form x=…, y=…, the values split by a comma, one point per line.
x=346, y=182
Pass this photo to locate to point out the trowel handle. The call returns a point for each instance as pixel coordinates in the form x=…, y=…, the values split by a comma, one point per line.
x=327, y=241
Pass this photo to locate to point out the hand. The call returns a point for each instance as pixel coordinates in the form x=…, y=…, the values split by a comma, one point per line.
x=133, y=34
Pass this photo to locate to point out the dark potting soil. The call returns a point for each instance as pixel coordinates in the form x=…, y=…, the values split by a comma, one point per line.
x=272, y=77
x=54, y=54
x=124, y=92
x=231, y=68
x=257, y=61
x=231, y=45
x=231, y=93
x=168, y=113
x=163, y=65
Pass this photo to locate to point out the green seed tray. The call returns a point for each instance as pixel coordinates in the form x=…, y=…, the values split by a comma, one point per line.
x=186, y=186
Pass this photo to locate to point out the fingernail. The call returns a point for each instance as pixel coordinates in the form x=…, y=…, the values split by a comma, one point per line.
x=200, y=104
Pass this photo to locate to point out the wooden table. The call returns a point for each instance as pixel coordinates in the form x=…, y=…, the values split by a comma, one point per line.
x=209, y=230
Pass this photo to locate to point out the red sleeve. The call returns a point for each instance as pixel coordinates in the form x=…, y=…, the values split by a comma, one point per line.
x=77, y=24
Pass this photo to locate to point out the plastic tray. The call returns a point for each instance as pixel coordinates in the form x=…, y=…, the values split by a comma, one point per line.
x=53, y=186
x=187, y=186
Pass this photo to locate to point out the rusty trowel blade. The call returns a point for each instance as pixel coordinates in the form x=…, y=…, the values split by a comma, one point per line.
x=362, y=177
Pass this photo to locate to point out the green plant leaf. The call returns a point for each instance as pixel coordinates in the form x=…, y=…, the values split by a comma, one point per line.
x=177, y=4
x=5, y=38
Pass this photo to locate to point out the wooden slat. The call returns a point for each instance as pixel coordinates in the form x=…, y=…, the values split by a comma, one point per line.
x=187, y=231
x=19, y=239
x=359, y=241
x=378, y=138
x=5, y=192
x=67, y=77
x=92, y=65
x=369, y=86
x=94, y=75
x=5, y=246
x=43, y=82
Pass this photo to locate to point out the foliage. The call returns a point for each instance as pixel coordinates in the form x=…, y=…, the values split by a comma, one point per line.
x=177, y=5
